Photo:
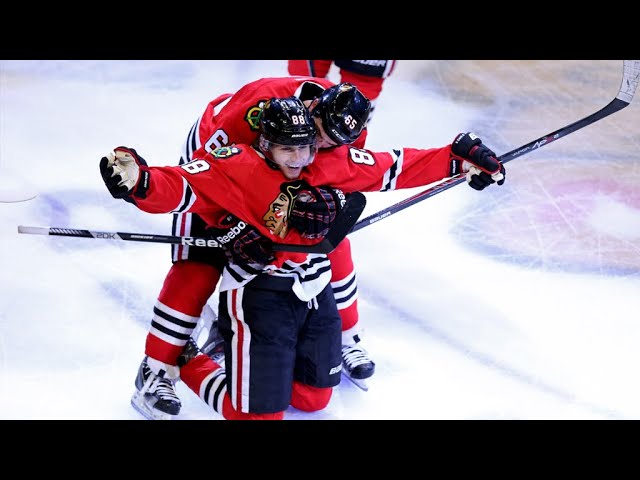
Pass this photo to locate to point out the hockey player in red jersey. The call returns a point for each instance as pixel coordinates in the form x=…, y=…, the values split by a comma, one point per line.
x=195, y=271
x=214, y=186
x=368, y=75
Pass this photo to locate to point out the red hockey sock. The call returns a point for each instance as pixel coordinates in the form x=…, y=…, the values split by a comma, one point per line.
x=184, y=294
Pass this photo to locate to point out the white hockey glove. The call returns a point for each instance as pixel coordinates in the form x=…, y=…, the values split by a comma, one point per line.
x=125, y=173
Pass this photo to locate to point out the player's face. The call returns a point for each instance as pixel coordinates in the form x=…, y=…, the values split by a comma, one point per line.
x=322, y=139
x=291, y=159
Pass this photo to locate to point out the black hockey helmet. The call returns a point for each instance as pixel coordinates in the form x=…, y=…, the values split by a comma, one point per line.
x=343, y=111
x=286, y=121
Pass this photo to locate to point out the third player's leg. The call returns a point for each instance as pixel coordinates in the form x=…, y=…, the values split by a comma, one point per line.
x=357, y=363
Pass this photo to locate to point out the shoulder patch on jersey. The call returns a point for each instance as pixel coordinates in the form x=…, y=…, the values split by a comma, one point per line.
x=252, y=117
x=225, y=152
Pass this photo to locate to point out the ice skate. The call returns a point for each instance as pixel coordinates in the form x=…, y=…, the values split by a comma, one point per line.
x=356, y=365
x=155, y=396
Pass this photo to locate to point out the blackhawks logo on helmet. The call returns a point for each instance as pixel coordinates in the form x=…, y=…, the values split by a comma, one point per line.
x=225, y=152
x=253, y=115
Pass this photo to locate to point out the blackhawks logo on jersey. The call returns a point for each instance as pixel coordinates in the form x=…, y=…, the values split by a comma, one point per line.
x=253, y=115
x=225, y=152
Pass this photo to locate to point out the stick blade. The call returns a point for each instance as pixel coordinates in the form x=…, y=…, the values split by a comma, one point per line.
x=349, y=215
x=13, y=189
x=13, y=197
x=630, y=79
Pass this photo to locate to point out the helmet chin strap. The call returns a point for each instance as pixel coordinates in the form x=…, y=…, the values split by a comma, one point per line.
x=264, y=153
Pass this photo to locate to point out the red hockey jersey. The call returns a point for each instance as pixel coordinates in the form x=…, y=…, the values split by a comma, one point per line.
x=238, y=180
x=221, y=174
x=233, y=119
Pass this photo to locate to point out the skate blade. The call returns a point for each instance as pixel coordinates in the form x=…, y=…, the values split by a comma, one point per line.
x=139, y=403
x=361, y=384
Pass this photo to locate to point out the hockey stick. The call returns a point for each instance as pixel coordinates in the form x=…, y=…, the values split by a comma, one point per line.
x=630, y=78
x=10, y=192
x=12, y=189
x=346, y=220
x=11, y=197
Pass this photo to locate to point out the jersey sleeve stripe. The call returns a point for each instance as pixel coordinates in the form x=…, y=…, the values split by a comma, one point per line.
x=191, y=144
x=188, y=198
x=390, y=178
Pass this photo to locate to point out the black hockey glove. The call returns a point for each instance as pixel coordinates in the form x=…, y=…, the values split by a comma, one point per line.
x=242, y=243
x=478, y=161
x=314, y=210
x=125, y=173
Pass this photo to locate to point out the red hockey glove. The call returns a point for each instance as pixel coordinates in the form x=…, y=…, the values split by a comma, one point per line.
x=242, y=243
x=478, y=161
x=125, y=173
x=314, y=210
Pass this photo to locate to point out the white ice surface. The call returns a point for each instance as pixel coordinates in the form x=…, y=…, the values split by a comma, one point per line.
x=520, y=302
